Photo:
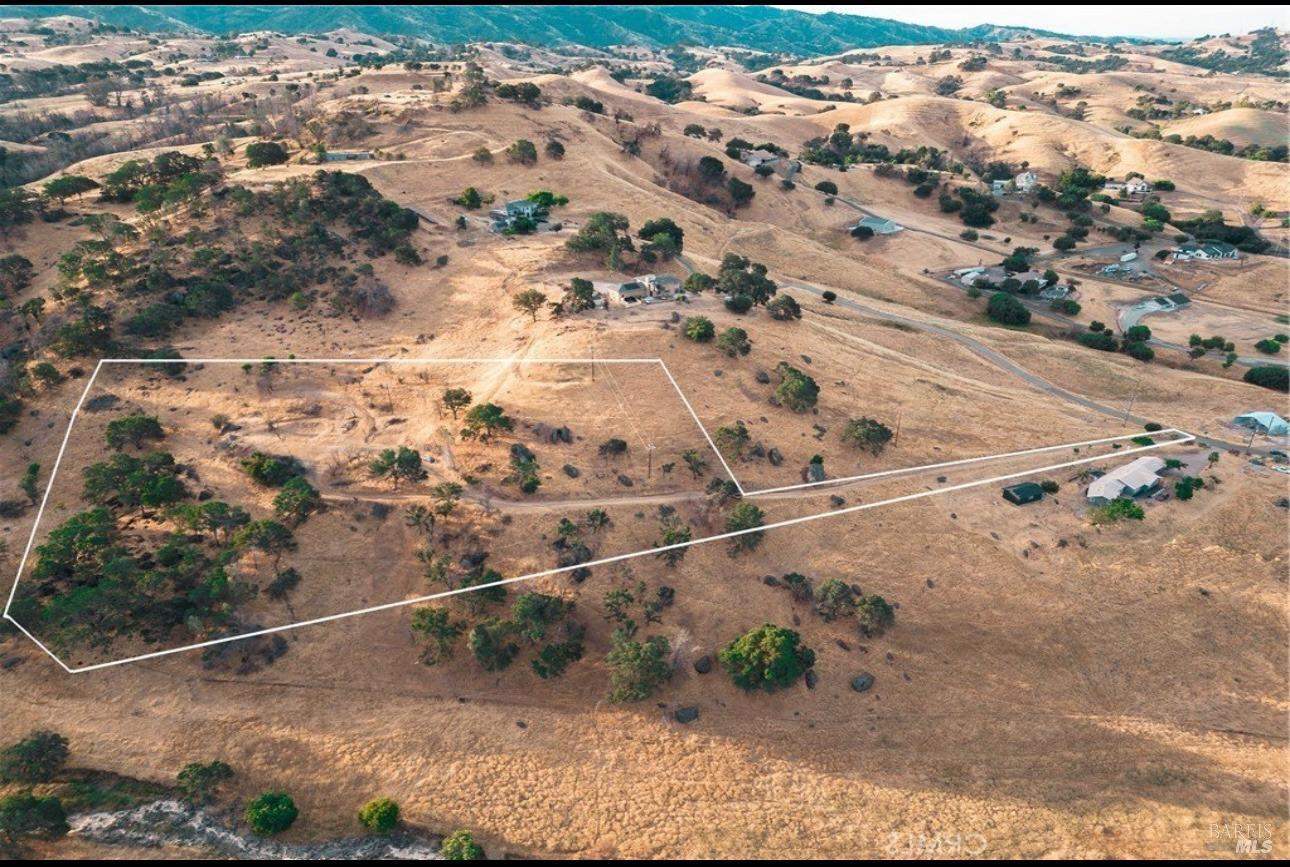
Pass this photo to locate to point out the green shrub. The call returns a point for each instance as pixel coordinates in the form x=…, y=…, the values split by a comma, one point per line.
x=270, y=813
x=133, y=430
x=1102, y=340
x=796, y=390
x=740, y=304
x=272, y=471
x=866, y=433
x=1007, y=310
x=25, y=815
x=874, y=615
x=767, y=658
x=265, y=153
x=734, y=342
x=699, y=329
x=380, y=815
x=461, y=846
x=198, y=781
x=34, y=759
x=1119, y=509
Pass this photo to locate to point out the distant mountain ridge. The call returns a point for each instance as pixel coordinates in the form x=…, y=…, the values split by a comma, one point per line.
x=756, y=27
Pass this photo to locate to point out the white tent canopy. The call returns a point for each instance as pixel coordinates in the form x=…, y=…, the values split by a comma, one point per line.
x=1265, y=422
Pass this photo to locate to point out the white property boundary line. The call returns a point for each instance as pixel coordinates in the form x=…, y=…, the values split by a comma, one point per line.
x=1183, y=437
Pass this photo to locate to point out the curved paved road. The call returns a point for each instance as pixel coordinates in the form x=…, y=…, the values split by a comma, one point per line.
x=980, y=349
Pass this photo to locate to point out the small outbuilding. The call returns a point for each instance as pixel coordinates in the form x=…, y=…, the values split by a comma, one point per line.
x=881, y=226
x=1026, y=492
x=345, y=156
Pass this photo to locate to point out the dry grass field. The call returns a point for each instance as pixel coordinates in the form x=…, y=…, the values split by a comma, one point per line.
x=1053, y=685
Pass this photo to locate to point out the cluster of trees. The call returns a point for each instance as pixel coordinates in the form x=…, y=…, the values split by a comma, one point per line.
x=745, y=284
x=92, y=583
x=266, y=153
x=605, y=233
x=695, y=130
x=1133, y=344
x=975, y=209
x=669, y=88
x=638, y=665
x=608, y=234
x=1263, y=55
x=711, y=173
x=36, y=759
x=1273, y=376
x=169, y=178
x=1007, y=310
x=525, y=92
x=835, y=600
x=1209, y=226
x=303, y=258
x=98, y=79
x=169, y=280
x=843, y=147
x=536, y=620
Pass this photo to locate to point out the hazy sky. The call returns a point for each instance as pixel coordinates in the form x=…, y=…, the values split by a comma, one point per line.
x=1172, y=22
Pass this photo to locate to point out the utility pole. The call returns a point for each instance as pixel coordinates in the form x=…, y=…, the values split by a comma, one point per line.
x=895, y=439
x=649, y=452
x=1132, y=400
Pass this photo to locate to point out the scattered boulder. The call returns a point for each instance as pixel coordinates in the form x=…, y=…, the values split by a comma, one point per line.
x=101, y=402
x=771, y=581
x=625, y=481
x=573, y=556
x=521, y=453
x=472, y=561
x=837, y=502
x=862, y=682
x=685, y=715
x=763, y=377
x=553, y=434
x=703, y=664
x=571, y=471
x=775, y=457
x=811, y=678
